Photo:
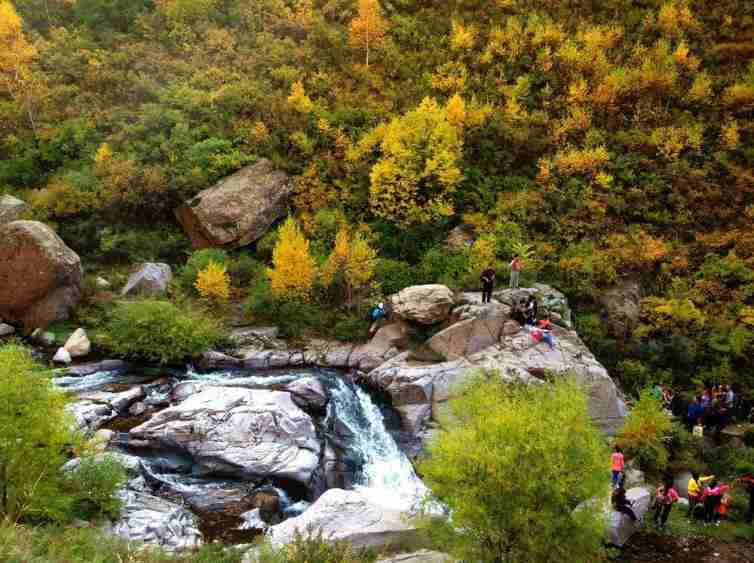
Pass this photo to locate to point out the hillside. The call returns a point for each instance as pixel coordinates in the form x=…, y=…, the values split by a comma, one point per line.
x=604, y=141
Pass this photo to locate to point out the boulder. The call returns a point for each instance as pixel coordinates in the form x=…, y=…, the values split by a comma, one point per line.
x=62, y=356
x=239, y=209
x=89, y=416
x=634, y=477
x=149, y=278
x=423, y=304
x=466, y=337
x=42, y=338
x=421, y=556
x=347, y=516
x=238, y=432
x=620, y=527
x=252, y=520
x=155, y=521
x=308, y=392
x=11, y=209
x=78, y=344
x=83, y=370
x=622, y=305
x=6, y=330
x=40, y=277
x=101, y=283
x=551, y=301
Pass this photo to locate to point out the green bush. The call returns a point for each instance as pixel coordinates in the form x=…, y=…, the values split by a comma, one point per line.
x=352, y=329
x=313, y=547
x=394, y=275
x=644, y=433
x=197, y=262
x=244, y=269
x=94, y=486
x=266, y=245
x=440, y=266
x=158, y=331
x=293, y=318
x=142, y=245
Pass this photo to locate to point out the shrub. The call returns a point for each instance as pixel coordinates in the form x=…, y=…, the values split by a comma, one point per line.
x=244, y=269
x=213, y=282
x=514, y=494
x=293, y=273
x=351, y=329
x=290, y=316
x=313, y=547
x=141, y=245
x=158, y=331
x=199, y=261
x=748, y=438
x=394, y=275
x=644, y=433
x=439, y=266
x=94, y=486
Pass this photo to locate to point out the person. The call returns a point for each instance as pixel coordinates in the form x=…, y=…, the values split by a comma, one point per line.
x=748, y=482
x=698, y=431
x=657, y=391
x=722, y=508
x=707, y=398
x=621, y=503
x=667, y=397
x=515, y=271
x=694, y=492
x=617, y=464
x=488, y=284
x=376, y=314
x=712, y=496
x=665, y=497
x=694, y=412
x=530, y=311
x=545, y=333
x=730, y=398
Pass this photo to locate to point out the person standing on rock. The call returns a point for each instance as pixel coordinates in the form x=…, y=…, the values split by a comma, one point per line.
x=617, y=464
x=488, y=284
x=515, y=271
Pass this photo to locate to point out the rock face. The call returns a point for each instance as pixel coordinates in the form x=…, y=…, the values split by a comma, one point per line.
x=78, y=344
x=348, y=516
x=622, y=304
x=6, y=330
x=239, y=209
x=40, y=277
x=551, y=301
x=467, y=337
x=423, y=304
x=11, y=209
x=238, y=432
x=149, y=278
x=620, y=527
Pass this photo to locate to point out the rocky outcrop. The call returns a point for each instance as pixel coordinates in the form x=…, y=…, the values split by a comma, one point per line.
x=238, y=432
x=622, y=305
x=239, y=209
x=620, y=527
x=40, y=277
x=423, y=304
x=308, y=393
x=467, y=337
x=551, y=301
x=78, y=344
x=149, y=278
x=348, y=516
x=11, y=209
x=97, y=408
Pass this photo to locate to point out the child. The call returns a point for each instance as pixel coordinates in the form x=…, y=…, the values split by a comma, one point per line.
x=698, y=431
x=665, y=497
x=617, y=463
x=722, y=508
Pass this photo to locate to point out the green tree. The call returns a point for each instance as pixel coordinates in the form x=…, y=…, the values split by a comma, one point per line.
x=644, y=432
x=512, y=465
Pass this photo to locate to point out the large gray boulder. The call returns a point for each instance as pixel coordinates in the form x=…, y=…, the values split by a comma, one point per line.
x=238, y=432
x=620, y=527
x=11, y=209
x=149, y=278
x=239, y=209
x=551, y=301
x=78, y=344
x=423, y=304
x=40, y=277
x=467, y=337
x=622, y=303
x=348, y=516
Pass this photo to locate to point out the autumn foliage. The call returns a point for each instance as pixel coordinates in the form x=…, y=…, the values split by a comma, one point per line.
x=294, y=272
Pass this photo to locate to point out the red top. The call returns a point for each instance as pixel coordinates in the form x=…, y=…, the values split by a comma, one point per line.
x=515, y=265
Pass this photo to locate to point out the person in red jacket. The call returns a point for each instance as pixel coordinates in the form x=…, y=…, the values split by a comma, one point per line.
x=665, y=497
x=713, y=493
x=515, y=271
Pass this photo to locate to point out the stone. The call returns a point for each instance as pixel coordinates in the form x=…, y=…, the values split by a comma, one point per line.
x=6, y=330
x=421, y=556
x=308, y=392
x=470, y=306
x=11, y=209
x=43, y=338
x=40, y=277
x=238, y=432
x=423, y=304
x=154, y=521
x=550, y=301
x=78, y=344
x=137, y=409
x=460, y=238
x=83, y=370
x=239, y=209
x=622, y=306
x=620, y=527
x=101, y=283
x=466, y=337
x=103, y=437
x=217, y=360
x=249, y=336
x=90, y=416
x=392, y=335
x=252, y=520
x=62, y=356
x=348, y=516
x=149, y=278
x=118, y=401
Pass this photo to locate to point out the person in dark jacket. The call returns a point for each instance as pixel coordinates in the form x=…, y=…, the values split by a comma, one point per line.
x=621, y=503
x=531, y=310
x=488, y=284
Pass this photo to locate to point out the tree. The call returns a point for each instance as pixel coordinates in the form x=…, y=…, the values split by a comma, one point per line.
x=643, y=434
x=369, y=28
x=352, y=262
x=35, y=433
x=512, y=465
x=293, y=272
x=213, y=282
x=16, y=56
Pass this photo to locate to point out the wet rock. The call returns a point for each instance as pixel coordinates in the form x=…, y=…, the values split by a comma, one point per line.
x=149, y=279
x=424, y=304
x=218, y=360
x=348, y=516
x=62, y=356
x=90, y=415
x=6, y=330
x=78, y=344
x=83, y=370
x=137, y=409
x=238, y=432
x=239, y=209
x=185, y=389
x=11, y=209
x=308, y=392
x=40, y=277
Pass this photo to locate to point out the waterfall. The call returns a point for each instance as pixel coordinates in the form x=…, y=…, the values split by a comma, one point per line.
x=386, y=477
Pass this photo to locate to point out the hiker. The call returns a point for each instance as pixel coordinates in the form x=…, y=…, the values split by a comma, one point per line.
x=530, y=310
x=694, y=412
x=712, y=496
x=748, y=482
x=488, y=283
x=694, y=493
x=515, y=271
x=545, y=326
x=667, y=397
x=617, y=464
x=665, y=497
x=376, y=314
x=621, y=503
x=698, y=431
x=730, y=398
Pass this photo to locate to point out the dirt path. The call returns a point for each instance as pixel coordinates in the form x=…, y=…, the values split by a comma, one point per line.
x=650, y=548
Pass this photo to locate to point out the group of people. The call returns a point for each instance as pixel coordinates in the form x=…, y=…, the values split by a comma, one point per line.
x=713, y=408
x=488, y=278
x=703, y=491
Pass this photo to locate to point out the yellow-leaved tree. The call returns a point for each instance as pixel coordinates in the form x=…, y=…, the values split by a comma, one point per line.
x=419, y=165
x=351, y=263
x=293, y=272
x=213, y=282
x=16, y=56
x=369, y=28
